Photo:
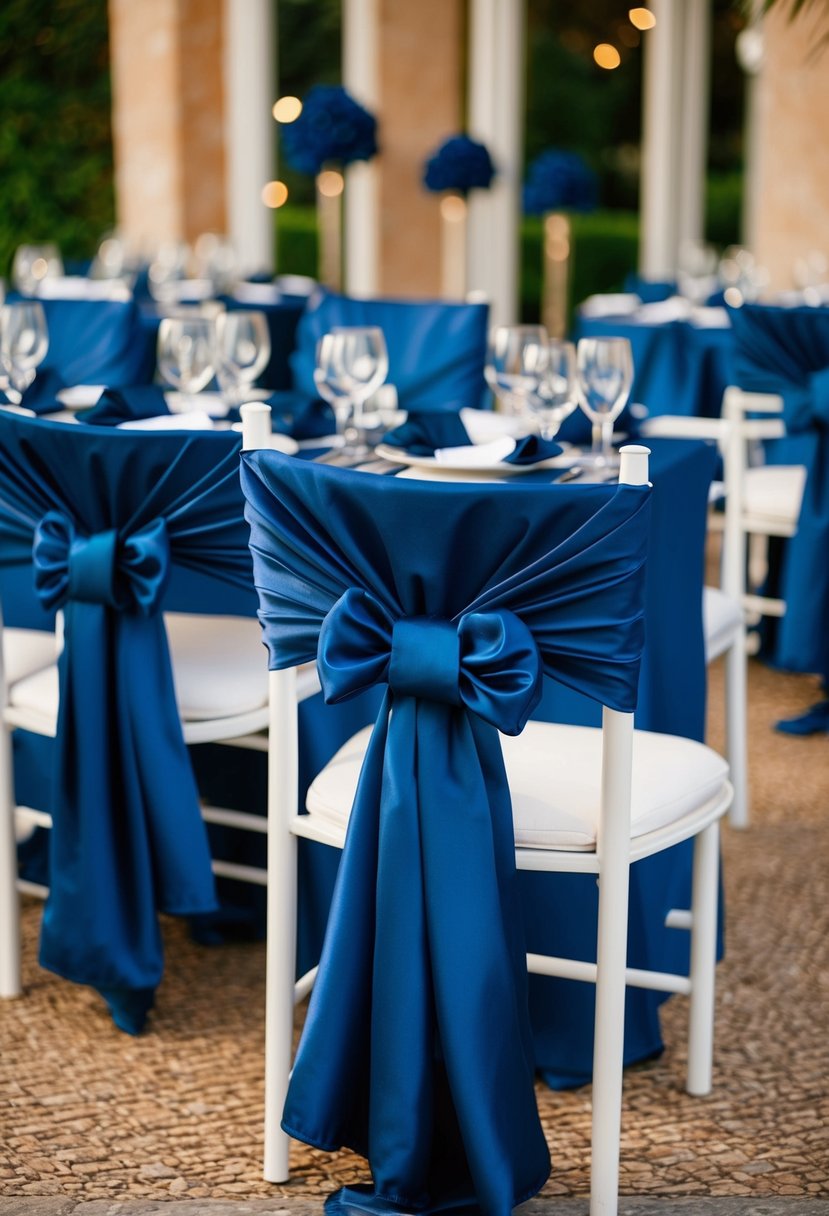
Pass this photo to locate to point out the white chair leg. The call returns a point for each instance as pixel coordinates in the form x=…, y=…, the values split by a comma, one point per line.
x=608, y=1045
x=10, y=980
x=704, y=902
x=736, y=728
x=280, y=964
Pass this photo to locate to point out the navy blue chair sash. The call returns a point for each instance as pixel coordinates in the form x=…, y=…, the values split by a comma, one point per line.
x=417, y=1050
x=105, y=517
x=786, y=351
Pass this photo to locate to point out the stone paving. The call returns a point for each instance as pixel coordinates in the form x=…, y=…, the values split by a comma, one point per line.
x=93, y=1123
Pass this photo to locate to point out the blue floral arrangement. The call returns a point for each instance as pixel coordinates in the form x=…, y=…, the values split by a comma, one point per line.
x=459, y=164
x=331, y=127
x=558, y=180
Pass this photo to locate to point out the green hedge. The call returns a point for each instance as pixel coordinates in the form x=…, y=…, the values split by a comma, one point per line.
x=605, y=245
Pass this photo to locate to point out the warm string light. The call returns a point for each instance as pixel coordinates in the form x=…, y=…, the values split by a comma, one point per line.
x=453, y=208
x=274, y=194
x=642, y=18
x=330, y=183
x=287, y=109
x=606, y=56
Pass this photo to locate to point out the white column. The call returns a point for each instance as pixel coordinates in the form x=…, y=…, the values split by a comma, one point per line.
x=693, y=130
x=496, y=118
x=750, y=56
x=250, y=91
x=361, y=77
x=660, y=141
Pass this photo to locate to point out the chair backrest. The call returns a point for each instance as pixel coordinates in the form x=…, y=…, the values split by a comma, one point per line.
x=457, y=596
x=116, y=526
x=785, y=352
x=437, y=350
x=98, y=342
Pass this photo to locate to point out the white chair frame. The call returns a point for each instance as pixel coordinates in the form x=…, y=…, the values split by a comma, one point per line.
x=735, y=434
x=246, y=730
x=611, y=861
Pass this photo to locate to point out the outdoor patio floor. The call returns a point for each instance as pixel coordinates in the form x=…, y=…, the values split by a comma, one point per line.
x=87, y=1114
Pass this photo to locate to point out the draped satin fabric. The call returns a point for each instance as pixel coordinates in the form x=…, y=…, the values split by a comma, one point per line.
x=98, y=342
x=417, y=1050
x=106, y=517
x=786, y=351
x=437, y=350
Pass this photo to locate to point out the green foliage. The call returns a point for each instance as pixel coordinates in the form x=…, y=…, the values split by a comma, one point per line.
x=723, y=208
x=296, y=240
x=605, y=246
x=55, y=138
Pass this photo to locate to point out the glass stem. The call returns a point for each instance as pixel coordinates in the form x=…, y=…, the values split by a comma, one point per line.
x=607, y=438
x=597, y=439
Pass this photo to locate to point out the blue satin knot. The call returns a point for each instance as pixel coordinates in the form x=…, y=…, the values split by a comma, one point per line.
x=487, y=661
x=130, y=574
x=425, y=659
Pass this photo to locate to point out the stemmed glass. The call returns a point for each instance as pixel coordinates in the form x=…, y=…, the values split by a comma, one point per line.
x=34, y=263
x=24, y=341
x=517, y=362
x=186, y=351
x=605, y=380
x=243, y=348
x=558, y=393
x=352, y=363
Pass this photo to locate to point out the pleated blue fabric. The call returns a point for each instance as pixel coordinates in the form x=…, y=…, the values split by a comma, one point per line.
x=786, y=351
x=106, y=518
x=417, y=1049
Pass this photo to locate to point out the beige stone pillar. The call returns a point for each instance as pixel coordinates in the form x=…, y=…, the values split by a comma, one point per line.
x=168, y=117
x=413, y=83
x=791, y=207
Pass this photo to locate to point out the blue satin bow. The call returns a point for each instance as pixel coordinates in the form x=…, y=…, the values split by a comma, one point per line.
x=417, y=1050
x=117, y=526
x=488, y=662
x=130, y=575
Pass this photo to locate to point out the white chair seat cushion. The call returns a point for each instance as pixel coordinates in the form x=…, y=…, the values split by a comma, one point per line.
x=220, y=669
x=721, y=621
x=554, y=775
x=775, y=492
x=26, y=651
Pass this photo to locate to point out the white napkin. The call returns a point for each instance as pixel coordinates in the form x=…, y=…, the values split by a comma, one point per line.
x=484, y=425
x=710, y=318
x=675, y=309
x=78, y=287
x=477, y=455
x=257, y=293
x=194, y=420
x=611, y=304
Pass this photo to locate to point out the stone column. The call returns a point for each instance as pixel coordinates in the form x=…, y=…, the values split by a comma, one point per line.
x=791, y=207
x=168, y=117
x=402, y=61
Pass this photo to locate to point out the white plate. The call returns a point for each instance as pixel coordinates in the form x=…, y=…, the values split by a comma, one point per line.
x=401, y=456
x=80, y=396
x=211, y=403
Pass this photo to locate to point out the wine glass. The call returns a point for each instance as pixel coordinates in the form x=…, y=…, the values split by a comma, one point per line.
x=167, y=270
x=215, y=258
x=516, y=367
x=34, y=263
x=24, y=341
x=243, y=348
x=331, y=381
x=605, y=379
x=364, y=362
x=558, y=394
x=186, y=351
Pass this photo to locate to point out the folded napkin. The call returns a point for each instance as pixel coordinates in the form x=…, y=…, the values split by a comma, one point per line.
x=293, y=413
x=41, y=397
x=445, y=437
x=117, y=405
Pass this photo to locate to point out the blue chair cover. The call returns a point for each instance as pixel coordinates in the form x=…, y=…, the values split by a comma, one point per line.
x=786, y=351
x=108, y=518
x=97, y=342
x=437, y=351
x=679, y=368
x=417, y=1050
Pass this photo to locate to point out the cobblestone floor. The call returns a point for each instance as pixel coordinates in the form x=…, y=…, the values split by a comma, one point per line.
x=87, y=1114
